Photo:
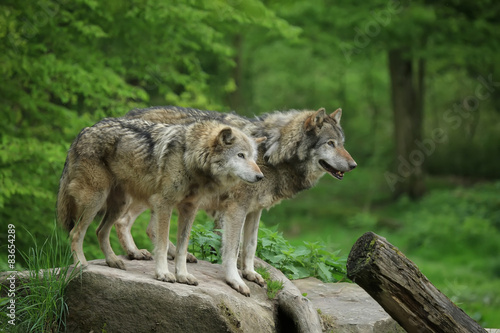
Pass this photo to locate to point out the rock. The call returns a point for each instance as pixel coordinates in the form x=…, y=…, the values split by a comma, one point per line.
x=114, y=300
x=346, y=308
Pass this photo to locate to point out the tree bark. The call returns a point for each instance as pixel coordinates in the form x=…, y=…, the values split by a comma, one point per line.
x=402, y=290
x=407, y=97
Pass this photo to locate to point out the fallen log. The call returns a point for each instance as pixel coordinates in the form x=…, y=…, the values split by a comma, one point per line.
x=402, y=290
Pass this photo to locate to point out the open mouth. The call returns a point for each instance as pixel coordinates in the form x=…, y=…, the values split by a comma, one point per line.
x=331, y=170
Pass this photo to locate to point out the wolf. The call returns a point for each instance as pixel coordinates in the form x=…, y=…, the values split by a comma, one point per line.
x=158, y=166
x=301, y=147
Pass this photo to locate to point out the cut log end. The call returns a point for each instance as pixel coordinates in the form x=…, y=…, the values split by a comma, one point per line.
x=397, y=284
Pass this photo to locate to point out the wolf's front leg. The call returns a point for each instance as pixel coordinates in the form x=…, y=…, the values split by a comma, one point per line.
x=162, y=223
x=171, y=247
x=232, y=223
x=187, y=213
x=250, y=233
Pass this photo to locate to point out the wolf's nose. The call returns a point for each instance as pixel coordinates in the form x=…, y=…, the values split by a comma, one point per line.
x=352, y=165
x=259, y=177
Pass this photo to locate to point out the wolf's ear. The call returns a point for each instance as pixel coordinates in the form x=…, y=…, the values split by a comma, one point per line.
x=258, y=141
x=225, y=136
x=336, y=115
x=315, y=120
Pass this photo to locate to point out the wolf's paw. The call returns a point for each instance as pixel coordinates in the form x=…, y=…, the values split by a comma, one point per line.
x=187, y=279
x=142, y=254
x=165, y=276
x=191, y=258
x=254, y=277
x=116, y=263
x=240, y=287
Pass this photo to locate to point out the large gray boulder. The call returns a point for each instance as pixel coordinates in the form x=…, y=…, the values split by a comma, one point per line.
x=113, y=300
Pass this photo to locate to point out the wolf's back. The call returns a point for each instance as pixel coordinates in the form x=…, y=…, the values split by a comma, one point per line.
x=172, y=114
x=176, y=115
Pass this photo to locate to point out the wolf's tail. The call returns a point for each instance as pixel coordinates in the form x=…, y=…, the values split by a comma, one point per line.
x=65, y=206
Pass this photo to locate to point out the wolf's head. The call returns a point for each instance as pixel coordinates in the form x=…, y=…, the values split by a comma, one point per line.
x=234, y=156
x=329, y=152
x=310, y=140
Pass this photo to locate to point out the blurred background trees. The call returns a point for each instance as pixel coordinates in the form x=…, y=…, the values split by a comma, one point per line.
x=418, y=81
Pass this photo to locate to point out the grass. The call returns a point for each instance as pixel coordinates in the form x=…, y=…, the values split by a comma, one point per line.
x=39, y=296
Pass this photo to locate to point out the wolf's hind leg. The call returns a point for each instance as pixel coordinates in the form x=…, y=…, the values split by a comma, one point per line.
x=250, y=232
x=115, y=208
x=86, y=211
x=123, y=229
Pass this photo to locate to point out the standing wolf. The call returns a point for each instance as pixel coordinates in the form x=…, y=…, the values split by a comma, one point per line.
x=158, y=166
x=301, y=147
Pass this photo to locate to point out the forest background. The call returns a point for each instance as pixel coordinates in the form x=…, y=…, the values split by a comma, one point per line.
x=418, y=82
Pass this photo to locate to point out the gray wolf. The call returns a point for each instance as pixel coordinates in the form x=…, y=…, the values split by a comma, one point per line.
x=118, y=161
x=301, y=147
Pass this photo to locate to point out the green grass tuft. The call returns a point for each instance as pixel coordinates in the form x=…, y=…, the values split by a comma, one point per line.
x=273, y=286
x=39, y=296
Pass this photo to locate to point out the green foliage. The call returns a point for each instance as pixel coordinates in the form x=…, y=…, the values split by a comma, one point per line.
x=39, y=296
x=66, y=65
x=470, y=216
x=311, y=259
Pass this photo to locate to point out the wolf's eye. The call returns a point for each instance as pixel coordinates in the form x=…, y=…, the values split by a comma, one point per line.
x=241, y=155
x=331, y=143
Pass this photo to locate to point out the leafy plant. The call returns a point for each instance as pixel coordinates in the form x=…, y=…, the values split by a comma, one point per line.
x=311, y=259
x=204, y=243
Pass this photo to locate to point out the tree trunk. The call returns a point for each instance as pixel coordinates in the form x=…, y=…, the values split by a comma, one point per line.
x=407, y=96
x=402, y=290
x=370, y=87
x=236, y=97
